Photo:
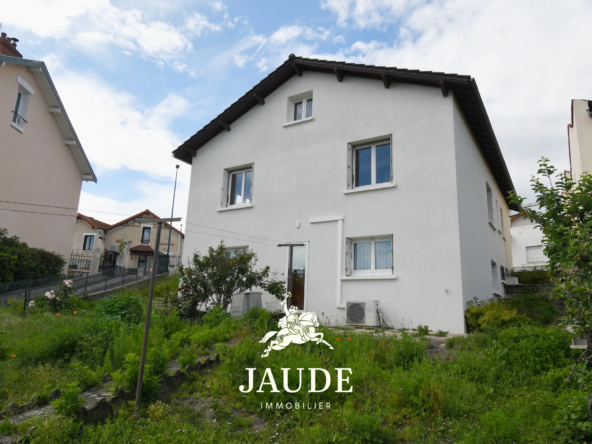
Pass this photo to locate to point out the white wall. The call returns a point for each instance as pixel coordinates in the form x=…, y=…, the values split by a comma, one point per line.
x=480, y=242
x=300, y=173
x=525, y=234
x=580, y=139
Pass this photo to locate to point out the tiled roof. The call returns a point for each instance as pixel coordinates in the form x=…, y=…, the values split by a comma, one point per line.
x=464, y=88
x=142, y=249
x=144, y=213
x=93, y=222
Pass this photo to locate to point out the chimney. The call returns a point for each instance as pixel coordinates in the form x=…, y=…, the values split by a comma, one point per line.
x=8, y=46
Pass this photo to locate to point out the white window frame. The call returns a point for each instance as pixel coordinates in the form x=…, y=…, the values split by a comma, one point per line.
x=501, y=220
x=352, y=148
x=236, y=250
x=489, y=205
x=25, y=91
x=84, y=237
x=229, y=186
x=298, y=98
x=349, y=252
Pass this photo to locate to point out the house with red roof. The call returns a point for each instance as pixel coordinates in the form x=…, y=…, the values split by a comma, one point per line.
x=130, y=243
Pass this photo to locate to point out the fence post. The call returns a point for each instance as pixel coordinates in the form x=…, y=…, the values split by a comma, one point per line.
x=86, y=282
x=25, y=304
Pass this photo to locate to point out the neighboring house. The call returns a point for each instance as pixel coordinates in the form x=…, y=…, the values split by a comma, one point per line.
x=527, y=243
x=93, y=238
x=579, y=137
x=42, y=163
x=358, y=183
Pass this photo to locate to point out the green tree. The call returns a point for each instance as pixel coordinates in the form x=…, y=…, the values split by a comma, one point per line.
x=211, y=280
x=564, y=215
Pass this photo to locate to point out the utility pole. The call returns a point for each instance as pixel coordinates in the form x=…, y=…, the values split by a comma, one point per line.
x=149, y=308
x=172, y=210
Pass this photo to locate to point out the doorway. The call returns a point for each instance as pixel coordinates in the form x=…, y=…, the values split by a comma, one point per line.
x=142, y=262
x=297, y=274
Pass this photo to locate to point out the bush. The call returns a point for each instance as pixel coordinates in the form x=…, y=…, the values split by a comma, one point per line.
x=159, y=411
x=484, y=315
x=31, y=263
x=127, y=379
x=571, y=419
x=532, y=276
x=215, y=317
x=6, y=428
x=122, y=306
x=70, y=402
x=536, y=305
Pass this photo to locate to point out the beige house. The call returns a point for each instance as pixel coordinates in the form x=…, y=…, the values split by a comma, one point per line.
x=579, y=135
x=43, y=164
x=94, y=240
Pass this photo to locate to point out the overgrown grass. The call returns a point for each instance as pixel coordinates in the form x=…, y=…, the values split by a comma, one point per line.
x=497, y=386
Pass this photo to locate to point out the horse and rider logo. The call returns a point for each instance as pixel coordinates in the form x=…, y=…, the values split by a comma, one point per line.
x=294, y=329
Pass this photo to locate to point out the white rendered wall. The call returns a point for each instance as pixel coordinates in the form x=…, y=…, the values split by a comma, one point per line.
x=480, y=242
x=524, y=234
x=580, y=139
x=300, y=173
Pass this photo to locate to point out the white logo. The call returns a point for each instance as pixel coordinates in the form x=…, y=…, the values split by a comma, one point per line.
x=294, y=328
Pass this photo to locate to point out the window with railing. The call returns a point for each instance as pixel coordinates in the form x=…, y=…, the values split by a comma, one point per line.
x=19, y=113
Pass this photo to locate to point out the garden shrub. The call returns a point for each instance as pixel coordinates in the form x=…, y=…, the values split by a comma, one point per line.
x=6, y=427
x=86, y=377
x=483, y=315
x=31, y=263
x=571, y=418
x=127, y=378
x=187, y=357
x=536, y=305
x=123, y=306
x=258, y=318
x=523, y=352
x=367, y=428
x=532, y=276
x=214, y=317
x=70, y=402
x=159, y=411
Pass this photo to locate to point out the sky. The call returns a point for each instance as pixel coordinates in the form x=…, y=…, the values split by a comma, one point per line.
x=138, y=78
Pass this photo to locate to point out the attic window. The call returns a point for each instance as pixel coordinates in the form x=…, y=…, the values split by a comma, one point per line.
x=19, y=113
x=300, y=108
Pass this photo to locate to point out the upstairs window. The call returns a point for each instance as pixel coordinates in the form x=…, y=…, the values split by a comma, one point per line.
x=489, y=202
x=89, y=241
x=372, y=164
x=300, y=108
x=146, y=235
x=240, y=185
x=19, y=113
x=494, y=274
x=502, y=220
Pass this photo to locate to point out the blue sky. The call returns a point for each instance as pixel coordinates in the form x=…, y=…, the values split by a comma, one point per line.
x=139, y=77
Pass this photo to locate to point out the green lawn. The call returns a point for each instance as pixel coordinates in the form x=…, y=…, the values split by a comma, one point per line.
x=500, y=386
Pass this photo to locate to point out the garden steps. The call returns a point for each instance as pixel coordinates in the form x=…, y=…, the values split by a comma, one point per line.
x=99, y=402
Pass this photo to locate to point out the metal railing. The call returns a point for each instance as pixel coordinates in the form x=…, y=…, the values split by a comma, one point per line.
x=18, y=119
x=80, y=261
x=83, y=285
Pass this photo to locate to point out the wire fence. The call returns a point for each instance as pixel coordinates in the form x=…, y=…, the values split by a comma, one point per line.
x=83, y=285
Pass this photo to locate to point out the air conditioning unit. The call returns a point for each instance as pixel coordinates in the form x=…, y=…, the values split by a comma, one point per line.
x=242, y=302
x=362, y=313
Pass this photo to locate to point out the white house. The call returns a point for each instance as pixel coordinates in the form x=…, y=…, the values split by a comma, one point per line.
x=527, y=243
x=358, y=183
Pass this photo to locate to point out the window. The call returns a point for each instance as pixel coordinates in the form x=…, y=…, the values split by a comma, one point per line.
x=19, y=113
x=146, y=235
x=494, y=274
x=240, y=186
x=372, y=164
x=369, y=255
x=489, y=202
x=300, y=107
x=502, y=220
x=89, y=241
x=535, y=254
x=235, y=251
x=303, y=109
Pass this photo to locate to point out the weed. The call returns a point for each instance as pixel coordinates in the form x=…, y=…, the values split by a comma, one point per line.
x=70, y=402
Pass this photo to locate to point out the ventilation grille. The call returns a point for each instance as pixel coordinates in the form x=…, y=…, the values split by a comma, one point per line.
x=356, y=313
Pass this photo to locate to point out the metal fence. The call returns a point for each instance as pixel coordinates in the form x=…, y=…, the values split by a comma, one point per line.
x=80, y=261
x=89, y=284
